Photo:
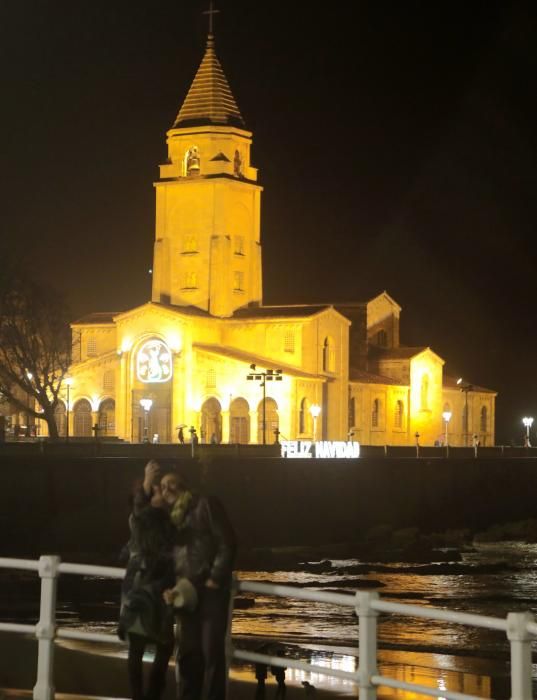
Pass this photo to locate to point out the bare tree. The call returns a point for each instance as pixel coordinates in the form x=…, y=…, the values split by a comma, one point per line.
x=35, y=345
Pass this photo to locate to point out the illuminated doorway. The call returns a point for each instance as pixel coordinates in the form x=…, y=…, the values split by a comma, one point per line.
x=239, y=427
x=272, y=421
x=107, y=417
x=211, y=421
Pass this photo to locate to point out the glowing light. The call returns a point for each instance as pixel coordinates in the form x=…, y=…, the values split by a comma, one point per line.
x=446, y=416
x=146, y=404
x=315, y=409
x=528, y=421
x=175, y=342
x=126, y=344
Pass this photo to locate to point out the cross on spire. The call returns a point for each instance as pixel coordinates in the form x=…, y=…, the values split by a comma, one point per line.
x=211, y=11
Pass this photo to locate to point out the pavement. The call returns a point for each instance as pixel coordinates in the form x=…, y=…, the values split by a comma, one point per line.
x=80, y=674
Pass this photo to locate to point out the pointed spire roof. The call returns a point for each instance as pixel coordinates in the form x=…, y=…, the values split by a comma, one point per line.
x=209, y=100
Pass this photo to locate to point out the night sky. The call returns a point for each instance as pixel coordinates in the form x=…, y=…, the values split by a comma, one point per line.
x=396, y=142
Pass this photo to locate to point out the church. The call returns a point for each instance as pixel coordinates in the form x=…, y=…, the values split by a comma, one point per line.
x=206, y=354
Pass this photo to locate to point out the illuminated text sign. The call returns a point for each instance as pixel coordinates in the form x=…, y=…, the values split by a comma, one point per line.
x=325, y=449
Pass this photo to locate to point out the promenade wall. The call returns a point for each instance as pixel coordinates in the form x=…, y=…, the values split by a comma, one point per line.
x=78, y=506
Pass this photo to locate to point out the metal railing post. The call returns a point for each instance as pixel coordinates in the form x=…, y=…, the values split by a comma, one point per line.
x=45, y=630
x=520, y=641
x=367, y=644
x=229, y=639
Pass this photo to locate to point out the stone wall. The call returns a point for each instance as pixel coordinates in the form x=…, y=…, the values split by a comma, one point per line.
x=79, y=507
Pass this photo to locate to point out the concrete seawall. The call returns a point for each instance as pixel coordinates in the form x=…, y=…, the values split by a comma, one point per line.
x=74, y=505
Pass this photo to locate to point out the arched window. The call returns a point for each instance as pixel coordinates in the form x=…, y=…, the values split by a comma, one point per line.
x=239, y=428
x=382, y=338
x=211, y=421
x=82, y=418
x=303, y=417
x=483, y=422
x=271, y=421
x=352, y=412
x=60, y=415
x=375, y=413
x=328, y=355
x=107, y=417
x=399, y=414
x=424, y=392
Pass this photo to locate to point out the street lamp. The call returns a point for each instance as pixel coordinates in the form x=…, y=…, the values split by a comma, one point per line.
x=464, y=386
x=315, y=409
x=146, y=405
x=268, y=376
x=528, y=422
x=68, y=384
x=447, y=417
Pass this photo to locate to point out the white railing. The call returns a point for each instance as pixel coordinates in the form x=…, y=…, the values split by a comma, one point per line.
x=520, y=629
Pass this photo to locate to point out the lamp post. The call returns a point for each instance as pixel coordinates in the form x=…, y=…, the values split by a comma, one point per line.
x=315, y=410
x=267, y=376
x=447, y=417
x=146, y=405
x=68, y=384
x=528, y=422
x=464, y=386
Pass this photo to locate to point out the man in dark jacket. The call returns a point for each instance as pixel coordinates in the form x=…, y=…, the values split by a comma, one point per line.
x=204, y=555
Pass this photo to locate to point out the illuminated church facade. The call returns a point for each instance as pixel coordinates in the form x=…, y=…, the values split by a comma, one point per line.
x=184, y=358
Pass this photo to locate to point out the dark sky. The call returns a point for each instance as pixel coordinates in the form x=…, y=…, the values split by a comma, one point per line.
x=396, y=142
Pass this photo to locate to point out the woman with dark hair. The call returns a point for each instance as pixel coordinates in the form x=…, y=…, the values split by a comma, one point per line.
x=144, y=618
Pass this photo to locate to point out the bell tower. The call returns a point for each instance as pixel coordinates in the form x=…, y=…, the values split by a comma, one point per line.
x=207, y=236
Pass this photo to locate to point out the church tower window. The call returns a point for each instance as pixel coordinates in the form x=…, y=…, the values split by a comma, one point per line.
x=190, y=281
x=424, y=393
x=382, y=338
x=483, y=422
x=190, y=245
x=238, y=245
x=192, y=161
x=238, y=281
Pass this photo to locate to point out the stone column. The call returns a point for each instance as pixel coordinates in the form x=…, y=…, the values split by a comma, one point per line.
x=253, y=428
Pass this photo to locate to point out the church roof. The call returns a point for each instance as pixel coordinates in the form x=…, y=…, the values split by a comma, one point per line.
x=298, y=310
x=97, y=318
x=451, y=383
x=209, y=100
x=358, y=375
x=401, y=353
x=248, y=357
